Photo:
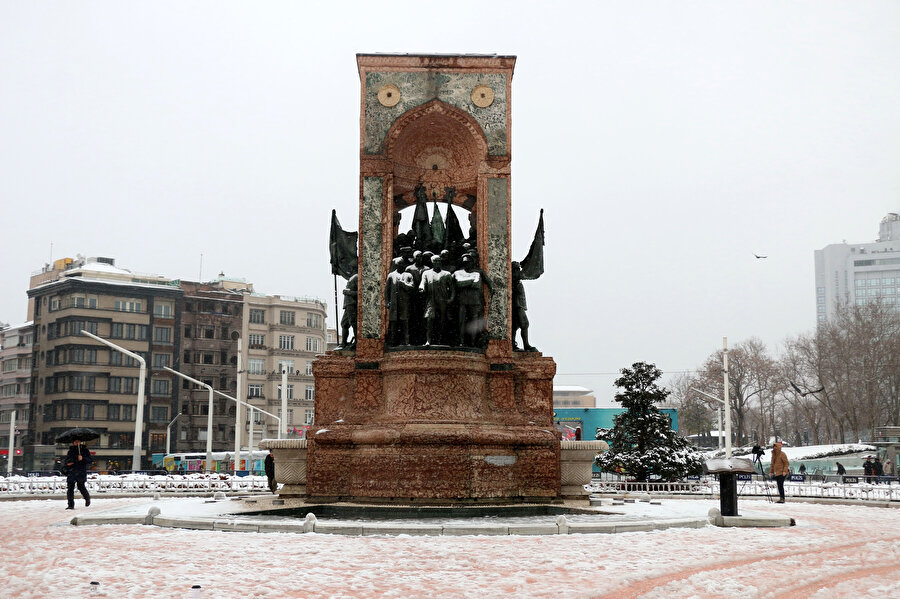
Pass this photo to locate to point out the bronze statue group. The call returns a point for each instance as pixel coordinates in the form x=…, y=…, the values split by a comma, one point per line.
x=435, y=291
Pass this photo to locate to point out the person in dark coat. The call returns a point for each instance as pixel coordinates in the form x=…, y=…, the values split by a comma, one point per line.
x=868, y=469
x=840, y=469
x=77, y=461
x=270, y=471
x=877, y=469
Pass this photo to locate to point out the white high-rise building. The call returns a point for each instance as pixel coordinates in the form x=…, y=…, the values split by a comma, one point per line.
x=848, y=274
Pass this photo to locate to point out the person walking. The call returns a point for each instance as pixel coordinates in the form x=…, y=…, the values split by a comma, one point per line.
x=77, y=461
x=779, y=468
x=877, y=470
x=270, y=471
x=840, y=469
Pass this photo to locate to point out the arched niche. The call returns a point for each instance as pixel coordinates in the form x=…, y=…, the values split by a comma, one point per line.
x=442, y=147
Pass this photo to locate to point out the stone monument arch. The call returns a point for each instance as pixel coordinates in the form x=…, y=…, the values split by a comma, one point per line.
x=434, y=424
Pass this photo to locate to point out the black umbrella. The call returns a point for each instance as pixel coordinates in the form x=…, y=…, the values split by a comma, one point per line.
x=80, y=433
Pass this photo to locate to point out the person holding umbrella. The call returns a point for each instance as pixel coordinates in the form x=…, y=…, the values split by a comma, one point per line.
x=77, y=461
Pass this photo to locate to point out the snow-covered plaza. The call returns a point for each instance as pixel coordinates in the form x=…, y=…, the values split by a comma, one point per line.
x=834, y=551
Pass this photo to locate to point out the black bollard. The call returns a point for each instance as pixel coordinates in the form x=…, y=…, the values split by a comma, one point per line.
x=728, y=494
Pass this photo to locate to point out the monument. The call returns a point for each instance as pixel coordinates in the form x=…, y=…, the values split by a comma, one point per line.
x=432, y=402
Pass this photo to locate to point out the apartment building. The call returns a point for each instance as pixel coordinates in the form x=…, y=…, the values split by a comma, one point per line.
x=15, y=391
x=282, y=334
x=77, y=381
x=211, y=325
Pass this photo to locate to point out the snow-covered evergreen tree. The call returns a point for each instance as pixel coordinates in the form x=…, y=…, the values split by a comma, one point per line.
x=642, y=442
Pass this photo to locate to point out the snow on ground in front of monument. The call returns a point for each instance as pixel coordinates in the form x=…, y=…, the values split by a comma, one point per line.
x=835, y=551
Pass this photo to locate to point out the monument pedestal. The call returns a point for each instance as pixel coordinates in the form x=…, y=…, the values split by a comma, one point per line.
x=435, y=426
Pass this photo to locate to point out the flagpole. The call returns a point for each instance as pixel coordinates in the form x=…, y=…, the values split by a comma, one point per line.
x=337, y=330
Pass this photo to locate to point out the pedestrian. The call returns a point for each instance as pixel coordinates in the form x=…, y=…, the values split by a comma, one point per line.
x=840, y=469
x=868, y=469
x=779, y=468
x=270, y=471
x=877, y=469
x=802, y=468
x=77, y=461
x=888, y=468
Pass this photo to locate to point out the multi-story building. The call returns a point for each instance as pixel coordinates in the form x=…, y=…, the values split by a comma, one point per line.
x=15, y=390
x=859, y=273
x=282, y=334
x=80, y=382
x=211, y=323
x=572, y=396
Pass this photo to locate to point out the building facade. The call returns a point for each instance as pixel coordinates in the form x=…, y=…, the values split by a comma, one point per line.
x=15, y=391
x=855, y=274
x=211, y=323
x=77, y=381
x=282, y=334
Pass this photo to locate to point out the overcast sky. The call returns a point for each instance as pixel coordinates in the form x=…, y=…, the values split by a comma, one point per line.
x=667, y=142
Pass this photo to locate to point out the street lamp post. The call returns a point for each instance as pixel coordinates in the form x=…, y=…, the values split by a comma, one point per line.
x=12, y=443
x=168, y=430
x=238, y=419
x=282, y=428
x=727, y=420
x=139, y=417
x=209, y=418
x=251, y=407
x=726, y=402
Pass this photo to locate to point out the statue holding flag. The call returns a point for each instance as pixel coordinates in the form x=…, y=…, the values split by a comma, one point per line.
x=344, y=262
x=530, y=268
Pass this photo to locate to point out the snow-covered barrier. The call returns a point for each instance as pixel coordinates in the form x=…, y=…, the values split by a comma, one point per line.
x=137, y=483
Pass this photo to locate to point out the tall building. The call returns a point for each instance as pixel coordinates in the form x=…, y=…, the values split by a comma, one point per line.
x=211, y=323
x=282, y=334
x=15, y=390
x=79, y=382
x=854, y=274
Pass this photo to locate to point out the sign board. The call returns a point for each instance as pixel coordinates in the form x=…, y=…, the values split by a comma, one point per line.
x=693, y=477
x=797, y=478
x=851, y=479
x=744, y=476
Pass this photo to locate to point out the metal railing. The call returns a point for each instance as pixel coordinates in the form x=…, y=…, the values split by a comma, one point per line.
x=885, y=490
x=113, y=484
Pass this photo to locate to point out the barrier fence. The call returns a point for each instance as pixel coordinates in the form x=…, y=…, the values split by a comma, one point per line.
x=887, y=489
x=112, y=484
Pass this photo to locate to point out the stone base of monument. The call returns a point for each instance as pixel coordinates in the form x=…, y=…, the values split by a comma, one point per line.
x=576, y=465
x=434, y=426
x=290, y=465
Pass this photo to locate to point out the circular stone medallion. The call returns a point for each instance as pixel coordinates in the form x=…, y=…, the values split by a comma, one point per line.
x=483, y=96
x=389, y=95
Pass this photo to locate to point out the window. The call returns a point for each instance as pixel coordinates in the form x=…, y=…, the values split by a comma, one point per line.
x=257, y=316
x=254, y=390
x=314, y=320
x=209, y=333
x=207, y=358
x=162, y=309
x=159, y=414
x=286, y=365
x=10, y=365
x=128, y=306
x=310, y=392
x=187, y=331
x=112, y=411
x=308, y=417
x=286, y=341
x=121, y=440
x=290, y=392
x=312, y=344
x=257, y=341
x=127, y=412
x=308, y=368
x=88, y=411
x=162, y=334
x=256, y=366
x=287, y=317
x=157, y=442
x=82, y=382
x=290, y=418
x=159, y=387
x=161, y=360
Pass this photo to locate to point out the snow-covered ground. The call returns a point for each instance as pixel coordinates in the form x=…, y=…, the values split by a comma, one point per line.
x=834, y=551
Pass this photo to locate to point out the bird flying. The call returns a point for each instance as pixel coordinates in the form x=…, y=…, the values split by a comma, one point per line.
x=758, y=257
